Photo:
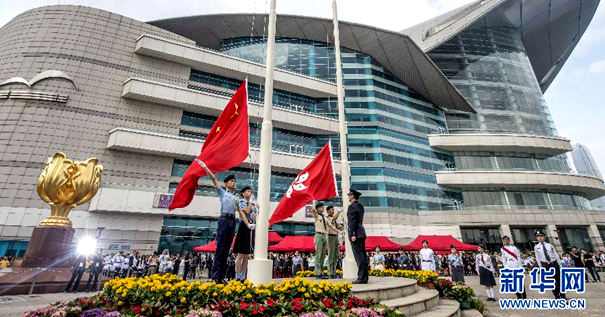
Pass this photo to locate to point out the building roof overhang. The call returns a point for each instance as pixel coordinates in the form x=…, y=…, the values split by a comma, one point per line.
x=395, y=51
x=550, y=29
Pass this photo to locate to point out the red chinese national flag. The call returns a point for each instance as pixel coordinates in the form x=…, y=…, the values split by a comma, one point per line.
x=316, y=182
x=226, y=146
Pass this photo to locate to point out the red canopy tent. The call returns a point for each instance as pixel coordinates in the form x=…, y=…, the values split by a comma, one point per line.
x=439, y=243
x=211, y=247
x=294, y=243
x=384, y=243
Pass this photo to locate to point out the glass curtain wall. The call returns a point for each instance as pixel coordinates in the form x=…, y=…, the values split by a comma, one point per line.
x=574, y=236
x=391, y=160
x=490, y=67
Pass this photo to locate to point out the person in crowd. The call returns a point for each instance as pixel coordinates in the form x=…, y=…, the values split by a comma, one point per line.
x=226, y=223
x=230, y=267
x=163, y=259
x=357, y=235
x=94, y=270
x=378, y=259
x=485, y=269
x=427, y=258
x=187, y=265
x=153, y=265
x=321, y=232
x=169, y=265
x=297, y=263
x=511, y=259
x=334, y=229
x=79, y=266
x=244, y=240
x=402, y=260
x=455, y=265
x=589, y=263
x=4, y=263
x=494, y=257
x=193, y=265
x=547, y=257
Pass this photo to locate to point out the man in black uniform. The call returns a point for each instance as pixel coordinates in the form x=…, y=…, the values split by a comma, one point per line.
x=94, y=270
x=76, y=275
x=357, y=234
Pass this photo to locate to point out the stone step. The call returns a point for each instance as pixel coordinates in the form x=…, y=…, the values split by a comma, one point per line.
x=386, y=288
x=445, y=308
x=423, y=300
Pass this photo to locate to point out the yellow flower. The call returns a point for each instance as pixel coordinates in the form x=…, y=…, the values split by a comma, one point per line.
x=214, y=294
x=183, y=300
x=307, y=295
x=168, y=293
x=248, y=296
x=120, y=303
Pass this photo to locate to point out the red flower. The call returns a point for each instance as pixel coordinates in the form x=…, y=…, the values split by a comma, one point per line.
x=261, y=308
x=178, y=312
x=157, y=313
x=254, y=312
x=243, y=305
x=270, y=302
x=137, y=309
x=90, y=303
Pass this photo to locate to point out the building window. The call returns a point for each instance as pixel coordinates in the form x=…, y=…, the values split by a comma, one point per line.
x=574, y=236
x=488, y=236
x=524, y=238
x=13, y=248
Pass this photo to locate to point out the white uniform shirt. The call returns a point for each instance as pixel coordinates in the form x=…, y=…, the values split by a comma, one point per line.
x=483, y=260
x=117, y=261
x=539, y=250
x=510, y=261
x=427, y=259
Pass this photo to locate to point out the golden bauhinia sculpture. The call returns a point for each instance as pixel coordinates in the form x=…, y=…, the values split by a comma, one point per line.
x=65, y=184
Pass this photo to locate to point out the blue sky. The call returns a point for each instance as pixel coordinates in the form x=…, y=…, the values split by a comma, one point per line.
x=575, y=98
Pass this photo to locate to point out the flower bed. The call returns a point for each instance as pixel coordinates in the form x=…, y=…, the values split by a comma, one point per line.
x=312, y=273
x=423, y=277
x=169, y=295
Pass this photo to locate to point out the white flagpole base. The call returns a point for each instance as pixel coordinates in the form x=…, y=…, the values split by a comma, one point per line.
x=349, y=268
x=260, y=271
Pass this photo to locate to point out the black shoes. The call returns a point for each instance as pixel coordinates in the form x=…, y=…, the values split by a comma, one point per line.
x=359, y=282
x=491, y=299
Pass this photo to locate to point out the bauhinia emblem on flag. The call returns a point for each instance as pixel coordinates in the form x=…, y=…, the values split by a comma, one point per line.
x=226, y=146
x=316, y=182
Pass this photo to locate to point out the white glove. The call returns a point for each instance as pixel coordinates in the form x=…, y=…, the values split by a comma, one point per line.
x=251, y=226
x=201, y=163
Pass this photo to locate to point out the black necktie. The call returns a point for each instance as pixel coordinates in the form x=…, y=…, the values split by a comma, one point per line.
x=545, y=252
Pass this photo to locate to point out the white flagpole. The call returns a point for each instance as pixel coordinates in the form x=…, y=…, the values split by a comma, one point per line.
x=260, y=268
x=349, y=267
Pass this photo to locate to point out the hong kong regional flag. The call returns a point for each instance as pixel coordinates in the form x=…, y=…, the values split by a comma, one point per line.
x=316, y=182
x=226, y=146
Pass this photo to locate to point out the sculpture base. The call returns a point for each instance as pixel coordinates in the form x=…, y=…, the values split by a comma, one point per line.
x=19, y=280
x=49, y=247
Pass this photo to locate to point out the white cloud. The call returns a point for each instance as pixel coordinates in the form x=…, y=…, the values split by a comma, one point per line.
x=597, y=67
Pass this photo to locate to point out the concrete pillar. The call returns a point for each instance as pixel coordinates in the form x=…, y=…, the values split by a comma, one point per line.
x=553, y=237
x=595, y=237
x=505, y=231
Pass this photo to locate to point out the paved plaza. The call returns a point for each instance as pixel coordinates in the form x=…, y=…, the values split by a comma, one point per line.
x=15, y=305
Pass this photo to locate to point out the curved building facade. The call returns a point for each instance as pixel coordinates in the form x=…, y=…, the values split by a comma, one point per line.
x=448, y=131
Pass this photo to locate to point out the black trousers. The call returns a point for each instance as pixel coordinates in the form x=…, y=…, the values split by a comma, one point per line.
x=91, y=275
x=224, y=238
x=555, y=291
x=75, y=276
x=361, y=258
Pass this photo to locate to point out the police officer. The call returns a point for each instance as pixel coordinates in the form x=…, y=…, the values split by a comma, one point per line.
x=226, y=224
x=79, y=268
x=547, y=257
x=94, y=270
x=357, y=235
x=511, y=259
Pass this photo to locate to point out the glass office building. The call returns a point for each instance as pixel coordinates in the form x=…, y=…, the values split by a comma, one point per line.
x=391, y=160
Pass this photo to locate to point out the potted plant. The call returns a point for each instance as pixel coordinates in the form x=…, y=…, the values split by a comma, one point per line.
x=443, y=286
x=461, y=293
